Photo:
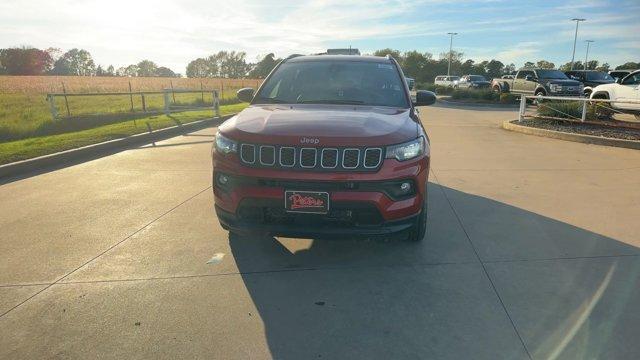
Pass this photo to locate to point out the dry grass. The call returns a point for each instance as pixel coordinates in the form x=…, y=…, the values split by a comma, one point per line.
x=25, y=113
x=79, y=84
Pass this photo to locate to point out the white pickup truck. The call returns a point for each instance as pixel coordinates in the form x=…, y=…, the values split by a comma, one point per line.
x=627, y=90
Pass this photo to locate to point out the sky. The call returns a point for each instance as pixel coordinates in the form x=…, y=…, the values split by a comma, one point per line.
x=171, y=33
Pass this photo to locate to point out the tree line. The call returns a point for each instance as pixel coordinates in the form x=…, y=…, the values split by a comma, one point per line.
x=423, y=67
x=79, y=62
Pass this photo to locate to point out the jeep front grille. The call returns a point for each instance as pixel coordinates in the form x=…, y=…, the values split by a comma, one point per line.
x=311, y=158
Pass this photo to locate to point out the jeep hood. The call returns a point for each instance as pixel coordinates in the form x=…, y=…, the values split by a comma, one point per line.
x=332, y=125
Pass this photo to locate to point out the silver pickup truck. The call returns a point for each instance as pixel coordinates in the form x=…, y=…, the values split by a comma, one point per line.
x=545, y=82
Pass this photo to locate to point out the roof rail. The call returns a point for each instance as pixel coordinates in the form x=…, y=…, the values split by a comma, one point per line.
x=293, y=56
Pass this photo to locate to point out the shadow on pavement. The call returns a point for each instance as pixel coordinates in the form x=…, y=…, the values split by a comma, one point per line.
x=368, y=306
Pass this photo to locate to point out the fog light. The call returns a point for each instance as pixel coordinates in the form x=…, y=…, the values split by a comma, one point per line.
x=405, y=187
x=223, y=179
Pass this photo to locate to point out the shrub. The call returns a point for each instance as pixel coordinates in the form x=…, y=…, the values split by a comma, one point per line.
x=486, y=95
x=508, y=98
x=565, y=109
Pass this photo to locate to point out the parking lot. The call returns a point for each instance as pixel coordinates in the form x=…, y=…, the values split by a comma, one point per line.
x=531, y=252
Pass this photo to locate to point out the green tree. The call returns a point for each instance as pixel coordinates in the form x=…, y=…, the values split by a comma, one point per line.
x=529, y=65
x=264, y=66
x=544, y=64
x=147, y=68
x=414, y=63
x=604, y=67
x=25, y=61
x=384, y=52
x=494, y=69
x=629, y=66
x=163, y=71
x=198, y=68
x=75, y=62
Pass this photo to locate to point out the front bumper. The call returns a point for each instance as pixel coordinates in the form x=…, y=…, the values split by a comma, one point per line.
x=253, y=199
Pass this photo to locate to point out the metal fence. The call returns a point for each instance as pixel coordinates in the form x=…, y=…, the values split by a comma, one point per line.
x=134, y=102
x=583, y=110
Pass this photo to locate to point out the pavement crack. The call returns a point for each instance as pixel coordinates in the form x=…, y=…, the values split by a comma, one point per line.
x=493, y=286
x=106, y=250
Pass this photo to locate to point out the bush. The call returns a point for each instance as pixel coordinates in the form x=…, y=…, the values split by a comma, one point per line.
x=565, y=109
x=486, y=95
x=508, y=98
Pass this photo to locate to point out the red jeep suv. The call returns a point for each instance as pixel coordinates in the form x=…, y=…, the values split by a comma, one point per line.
x=330, y=145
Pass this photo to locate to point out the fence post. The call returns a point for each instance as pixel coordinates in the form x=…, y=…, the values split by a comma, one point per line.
x=66, y=102
x=131, y=96
x=216, y=104
x=221, y=89
x=202, y=92
x=52, y=106
x=166, y=101
x=173, y=94
x=584, y=111
x=144, y=103
x=523, y=106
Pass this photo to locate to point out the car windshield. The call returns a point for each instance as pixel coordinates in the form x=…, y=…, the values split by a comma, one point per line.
x=599, y=76
x=454, y=78
x=551, y=74
x=335, y=82
x=477, y=78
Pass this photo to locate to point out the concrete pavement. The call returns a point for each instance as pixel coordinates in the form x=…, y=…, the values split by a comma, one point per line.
x=531, y=252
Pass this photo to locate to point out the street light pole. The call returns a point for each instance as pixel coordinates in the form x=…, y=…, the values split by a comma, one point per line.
x=573, y=57
x=586, y=56
x=450, y=50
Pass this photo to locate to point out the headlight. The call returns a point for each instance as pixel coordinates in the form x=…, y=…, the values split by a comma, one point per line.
x=406, y=151
x=555, y=88
x=225, y=145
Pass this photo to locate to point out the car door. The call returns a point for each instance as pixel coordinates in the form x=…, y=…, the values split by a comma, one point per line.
x=628, y=90
x=520, y=82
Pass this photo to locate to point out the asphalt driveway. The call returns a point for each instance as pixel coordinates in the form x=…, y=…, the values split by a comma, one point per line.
x=532, y=251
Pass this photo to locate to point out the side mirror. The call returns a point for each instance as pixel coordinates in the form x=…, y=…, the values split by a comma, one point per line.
x=424, y=98
x=245, y=94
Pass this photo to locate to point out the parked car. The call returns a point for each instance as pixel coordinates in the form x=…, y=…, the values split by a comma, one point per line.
x=539, y=82
x=329, y=145
x=618, y=75
x=590, y=79
x=473, y=82
x=627, y=90
x=410, y=82
x=444, y=80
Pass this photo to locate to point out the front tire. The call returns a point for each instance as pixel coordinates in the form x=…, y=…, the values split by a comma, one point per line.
x=419, y=229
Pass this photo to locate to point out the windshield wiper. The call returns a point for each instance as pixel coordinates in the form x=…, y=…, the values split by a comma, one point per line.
x=272, y=100
x=332, y=101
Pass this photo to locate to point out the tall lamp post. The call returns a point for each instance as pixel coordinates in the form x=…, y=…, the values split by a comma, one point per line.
x=573, y=57
x=586, y=56
x=451, y=34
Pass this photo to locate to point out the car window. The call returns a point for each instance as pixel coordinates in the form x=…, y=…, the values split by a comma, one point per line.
x=454, y=78
x=477, y=78
x=598, y=76
x=335, y=82
x=633, y=79
x=523, y=74
x=551, y=74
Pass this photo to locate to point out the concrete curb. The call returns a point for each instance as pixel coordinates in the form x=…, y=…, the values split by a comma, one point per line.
x=471, y=104
x=587, y=139
x=59, y=159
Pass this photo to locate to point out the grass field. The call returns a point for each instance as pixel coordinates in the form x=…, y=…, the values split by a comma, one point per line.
x=25, y=112
x=28, y=148
x=27, y=128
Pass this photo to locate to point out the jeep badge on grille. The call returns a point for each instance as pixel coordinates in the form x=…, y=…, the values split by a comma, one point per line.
x=308, y=140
